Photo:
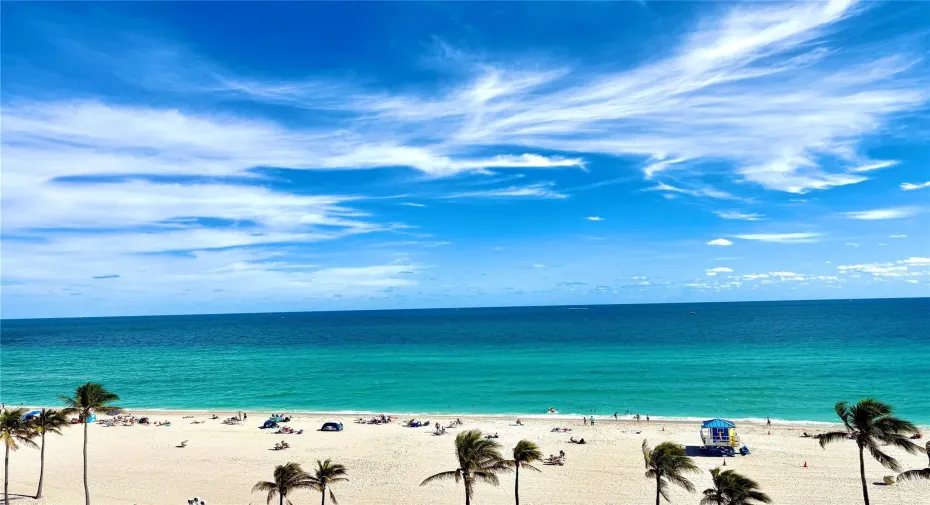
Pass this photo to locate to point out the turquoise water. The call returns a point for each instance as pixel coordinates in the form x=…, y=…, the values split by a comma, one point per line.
x=787, y=360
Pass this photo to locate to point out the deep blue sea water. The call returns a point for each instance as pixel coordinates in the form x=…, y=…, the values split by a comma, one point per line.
x=787, y=360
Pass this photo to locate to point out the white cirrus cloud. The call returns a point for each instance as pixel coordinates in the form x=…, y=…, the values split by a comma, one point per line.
x=874, y=165
x=708, y=192
x=594, y=218
x=738, y=215
x=758, y=87
x=413, y=204
x=782, y=238
x=899, y=235
x=540, y=190
x=720, y=242
x=718, y=270
x=910, y=186
x=916, y=261
x=880, y=214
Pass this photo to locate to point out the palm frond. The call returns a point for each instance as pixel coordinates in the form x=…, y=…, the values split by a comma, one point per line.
x=884, y=459
x=681, y=482
x=843, y=412
x=831, y=437
x=264, y=486
x=452, y=474
x=923, y=473
x=487, y=477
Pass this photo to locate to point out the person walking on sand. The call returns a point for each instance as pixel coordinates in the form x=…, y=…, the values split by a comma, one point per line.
x=768, y=421
x=592, y=420
x=585, y=420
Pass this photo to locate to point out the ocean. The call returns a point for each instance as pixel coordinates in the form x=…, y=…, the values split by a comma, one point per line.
x=785, y=360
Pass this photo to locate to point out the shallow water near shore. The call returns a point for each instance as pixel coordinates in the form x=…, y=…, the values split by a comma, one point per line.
x=785, y=360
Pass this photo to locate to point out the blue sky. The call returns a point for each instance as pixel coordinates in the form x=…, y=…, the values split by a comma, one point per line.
x=162, y=158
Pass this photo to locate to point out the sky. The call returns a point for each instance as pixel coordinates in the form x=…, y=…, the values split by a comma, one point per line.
x=172, y=158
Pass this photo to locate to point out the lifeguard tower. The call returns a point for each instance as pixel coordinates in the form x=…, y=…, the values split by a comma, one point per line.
x=719, y=433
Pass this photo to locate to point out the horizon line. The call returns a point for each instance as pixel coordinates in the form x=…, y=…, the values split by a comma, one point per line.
x=476, y=307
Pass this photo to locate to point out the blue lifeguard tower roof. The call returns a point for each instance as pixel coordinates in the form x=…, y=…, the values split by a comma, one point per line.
x=718, y=423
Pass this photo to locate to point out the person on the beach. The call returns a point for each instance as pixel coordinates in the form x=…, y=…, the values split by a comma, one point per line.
x=585, y=420
x=615, y=415
x=647, y=418
x=768, y=421
x=592, y=420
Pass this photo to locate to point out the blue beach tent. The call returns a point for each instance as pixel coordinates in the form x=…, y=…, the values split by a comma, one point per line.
x=30, y=415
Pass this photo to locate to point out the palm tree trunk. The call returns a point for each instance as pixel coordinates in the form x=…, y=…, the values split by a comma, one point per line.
x=658, y=487
x=41, y=468
x=467, y=494
x=323, y=492
x=865, y=488
x=281, y=498
x=516, y=486
x=6, y=476
x=86, y=491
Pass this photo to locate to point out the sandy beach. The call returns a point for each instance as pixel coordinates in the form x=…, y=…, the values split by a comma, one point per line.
x=143, y=465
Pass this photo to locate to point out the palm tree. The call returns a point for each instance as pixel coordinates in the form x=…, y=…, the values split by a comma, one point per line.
x=918, y=474
x=872, y=424
x=88, y=399
x=480, y=460
x=13, y=431
x=48, y=421
x=731, y=488
x=327, y=473
x=525, y=453
x=667, y=463
x=286, y=479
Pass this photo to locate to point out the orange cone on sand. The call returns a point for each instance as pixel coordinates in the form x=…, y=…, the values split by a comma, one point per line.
x=724, y=463
x=805, y=464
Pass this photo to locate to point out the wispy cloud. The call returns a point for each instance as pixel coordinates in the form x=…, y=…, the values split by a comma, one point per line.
x=910, y=186
x=720, y=242
x=739, y=216
x=876, y=165
x=541, y=190
x=879, y=214
x=594, y=218
x=413, y=204
x=783, y=238
x=755, y=87
x=699, y=192
x=109, y=276
x=899, y=235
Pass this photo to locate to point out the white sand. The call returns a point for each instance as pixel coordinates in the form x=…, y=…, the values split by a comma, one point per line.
x=141, y=465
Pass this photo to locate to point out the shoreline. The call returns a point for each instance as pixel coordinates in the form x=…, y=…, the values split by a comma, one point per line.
x=351, y=415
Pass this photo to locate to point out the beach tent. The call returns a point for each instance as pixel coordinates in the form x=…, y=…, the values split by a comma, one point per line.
x=332, y=426
x=30, y=415
x=719, y=433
